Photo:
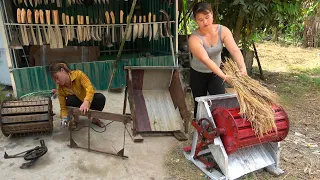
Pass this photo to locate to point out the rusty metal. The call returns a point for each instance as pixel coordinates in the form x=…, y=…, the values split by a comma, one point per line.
x=75, y=113
x=26, y=116
x=31, y=155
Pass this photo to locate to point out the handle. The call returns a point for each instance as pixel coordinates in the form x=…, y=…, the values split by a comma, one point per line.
x=87, y=20
x=67, y=19
x=82, y=19
x=63, y=17
x=144, y=18
x=29, y=16
x=36, y=16
x=55, y=17
x=48, y=16
x=134, y=19
x=149, y=17
x=107, y=17
x=23, y=16
x=154, y=18
x=72, y=20
x=19, y=15
x=113, y=19
x=78, y=19
x=41, y=16
x=140, y=19
x=121, y=16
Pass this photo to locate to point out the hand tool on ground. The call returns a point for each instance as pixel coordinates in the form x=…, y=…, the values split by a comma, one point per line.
x=36, y=20
x=113, y=21
x=150, y=28
x=225, y=142
x=135, y=28
x=46, y=36
x=122, y=35
x=108, y=37
x=140, y=28
x=57, y=29
x=155, y=28
x=31, y=155
x=145, y=27
x=129, y=32
x=23, y=21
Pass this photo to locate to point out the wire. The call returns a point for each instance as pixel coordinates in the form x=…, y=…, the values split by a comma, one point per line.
x=105, y=127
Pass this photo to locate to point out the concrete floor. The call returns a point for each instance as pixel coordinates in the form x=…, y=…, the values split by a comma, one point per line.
x=146, y=159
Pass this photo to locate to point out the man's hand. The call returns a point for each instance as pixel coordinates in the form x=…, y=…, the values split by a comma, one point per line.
x=84, y=108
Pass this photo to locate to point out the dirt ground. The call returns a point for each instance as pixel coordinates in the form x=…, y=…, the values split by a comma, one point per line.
x=293, y=73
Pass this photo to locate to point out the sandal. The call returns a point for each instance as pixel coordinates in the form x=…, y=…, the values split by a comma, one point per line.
x=97, y=122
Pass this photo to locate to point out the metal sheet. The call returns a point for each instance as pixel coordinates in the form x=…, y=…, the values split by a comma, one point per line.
x=33, y=79
x=156, y=79
x=162, y=114
x=247, y=160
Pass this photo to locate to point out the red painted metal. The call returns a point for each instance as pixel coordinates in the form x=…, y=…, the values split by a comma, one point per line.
x=237, y=131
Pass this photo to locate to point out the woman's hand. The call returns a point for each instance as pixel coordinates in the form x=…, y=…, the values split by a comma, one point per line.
x=84, y=107
x=243, y=71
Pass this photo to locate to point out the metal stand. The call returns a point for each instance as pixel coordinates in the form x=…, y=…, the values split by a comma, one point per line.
x=75, y=112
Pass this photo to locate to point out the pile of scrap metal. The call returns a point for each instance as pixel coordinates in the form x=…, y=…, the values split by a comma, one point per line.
x=26, y=116
x=42, y=26
x=224, y=145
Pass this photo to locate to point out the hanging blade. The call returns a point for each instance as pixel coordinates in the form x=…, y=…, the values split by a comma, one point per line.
x=25, y=2
x=36, y=20
x=155, y=28
x=108, y=38
x=140, y=28
x=73, y=34
x=65, y=30
x=150, y=28
x=135, y=28
x=160, y=29
x=69, y=33
x=30, y=1
x=46, y=37
x=33, y=36
x=57, y=29
x=122, y=35
x=129, y=32
x=23, y=39
x=35, y=3
x=145, y=27
x=113, y=21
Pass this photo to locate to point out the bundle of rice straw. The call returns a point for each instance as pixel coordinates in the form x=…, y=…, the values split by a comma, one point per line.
x=254, y=99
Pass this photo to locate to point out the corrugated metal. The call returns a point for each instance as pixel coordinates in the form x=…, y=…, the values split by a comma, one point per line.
x=35, y=79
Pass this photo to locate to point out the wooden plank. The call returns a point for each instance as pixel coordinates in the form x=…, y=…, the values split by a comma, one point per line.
x=178, y=99
x=136, y=137
x=24, y=103
x=25, y=118
x=24, y=110
x=101, y=115
x=142, y=118
x=161, y=111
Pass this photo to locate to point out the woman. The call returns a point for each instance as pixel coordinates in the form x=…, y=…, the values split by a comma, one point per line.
x=206, y=45
x=76, y=90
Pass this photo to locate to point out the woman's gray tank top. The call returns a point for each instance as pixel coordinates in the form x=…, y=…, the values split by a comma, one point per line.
x=214, y=54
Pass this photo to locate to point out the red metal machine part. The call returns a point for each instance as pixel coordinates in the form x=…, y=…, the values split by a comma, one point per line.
x=235, y=131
